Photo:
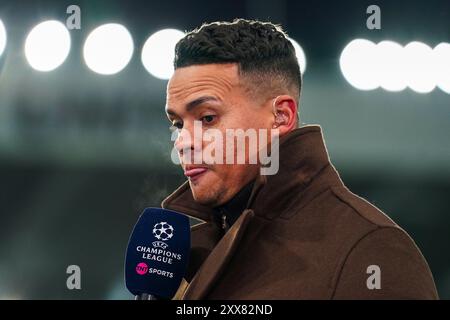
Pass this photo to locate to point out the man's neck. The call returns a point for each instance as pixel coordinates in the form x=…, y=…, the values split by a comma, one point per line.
x=227, y=213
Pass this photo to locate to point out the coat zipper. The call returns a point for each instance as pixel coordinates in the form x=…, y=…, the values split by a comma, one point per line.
x=224, y=226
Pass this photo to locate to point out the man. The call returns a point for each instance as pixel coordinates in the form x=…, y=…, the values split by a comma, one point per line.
x=298, y=233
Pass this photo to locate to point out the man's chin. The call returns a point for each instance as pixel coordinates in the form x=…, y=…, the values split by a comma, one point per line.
x=208, y=200
x=204, y=193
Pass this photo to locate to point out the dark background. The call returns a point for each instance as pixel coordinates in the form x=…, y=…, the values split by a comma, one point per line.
x=81, y=154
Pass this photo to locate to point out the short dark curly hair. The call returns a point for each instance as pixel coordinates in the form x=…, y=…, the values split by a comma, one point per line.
x=262, y=51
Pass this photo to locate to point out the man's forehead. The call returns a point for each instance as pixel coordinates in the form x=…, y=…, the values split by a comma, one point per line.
x=212, y=79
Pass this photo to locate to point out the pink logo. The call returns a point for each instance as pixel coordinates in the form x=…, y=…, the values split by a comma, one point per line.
x=141, y=268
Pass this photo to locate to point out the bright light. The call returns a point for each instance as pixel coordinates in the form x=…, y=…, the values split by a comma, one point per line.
x=47, y=45
x=420, y=72
x=158, y=52
x=358, y=65
x=2, y=37
x=108, y=49
x=391, y=66
x=441, y=55
x=300, y=55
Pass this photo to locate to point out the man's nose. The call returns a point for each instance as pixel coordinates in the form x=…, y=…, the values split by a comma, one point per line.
x=186, y=142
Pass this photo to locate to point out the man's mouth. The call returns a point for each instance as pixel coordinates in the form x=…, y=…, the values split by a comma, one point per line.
x=194, y=173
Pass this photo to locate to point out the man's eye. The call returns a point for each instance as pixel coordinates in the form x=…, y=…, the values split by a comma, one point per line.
x=176, y=125
x=208, y=119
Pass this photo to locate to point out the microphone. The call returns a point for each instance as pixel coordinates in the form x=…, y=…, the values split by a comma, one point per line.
x=157, y=254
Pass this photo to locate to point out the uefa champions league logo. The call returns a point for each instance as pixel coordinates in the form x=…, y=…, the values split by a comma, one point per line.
x=163, y=232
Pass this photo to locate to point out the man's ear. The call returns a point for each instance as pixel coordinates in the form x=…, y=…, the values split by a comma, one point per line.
x=285, y=114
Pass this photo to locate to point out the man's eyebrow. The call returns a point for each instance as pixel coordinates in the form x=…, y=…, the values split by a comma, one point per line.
x=194, y=103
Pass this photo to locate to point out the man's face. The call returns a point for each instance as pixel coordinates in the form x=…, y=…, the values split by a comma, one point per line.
x=214, y=95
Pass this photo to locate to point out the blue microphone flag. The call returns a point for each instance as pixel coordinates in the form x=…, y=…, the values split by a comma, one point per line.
x=158, y=253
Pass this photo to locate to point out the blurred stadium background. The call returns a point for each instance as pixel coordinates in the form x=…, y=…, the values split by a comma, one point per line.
x=82, y=153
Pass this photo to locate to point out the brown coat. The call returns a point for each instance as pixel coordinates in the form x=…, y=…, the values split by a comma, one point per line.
x=304, y=235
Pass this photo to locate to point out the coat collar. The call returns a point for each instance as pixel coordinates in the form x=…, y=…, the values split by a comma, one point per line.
x=216, y=262
x=302, y=156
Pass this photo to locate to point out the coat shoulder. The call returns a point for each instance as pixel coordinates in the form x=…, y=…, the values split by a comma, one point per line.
x=382, y=243
x=363, y=208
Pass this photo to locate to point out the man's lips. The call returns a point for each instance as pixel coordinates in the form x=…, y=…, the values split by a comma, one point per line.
x=194, y=171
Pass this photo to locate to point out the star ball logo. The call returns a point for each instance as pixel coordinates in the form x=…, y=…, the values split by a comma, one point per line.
x=163, y=231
